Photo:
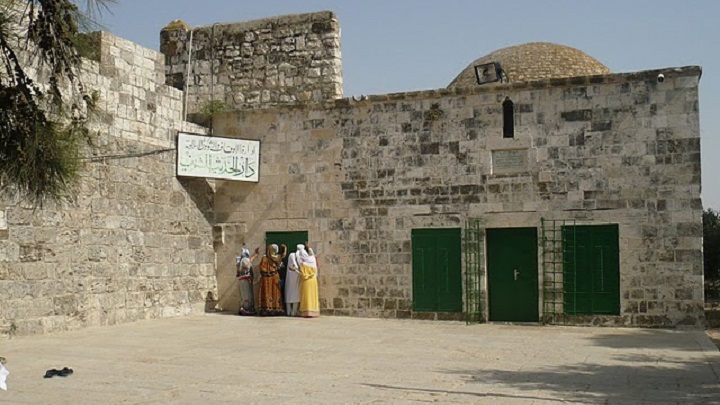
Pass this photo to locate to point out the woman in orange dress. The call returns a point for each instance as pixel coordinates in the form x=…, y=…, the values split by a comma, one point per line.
x=270, y=294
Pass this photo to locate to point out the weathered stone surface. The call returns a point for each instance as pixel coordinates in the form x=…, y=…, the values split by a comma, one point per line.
x=136, y=243
x=424, y=160
x=279, y=60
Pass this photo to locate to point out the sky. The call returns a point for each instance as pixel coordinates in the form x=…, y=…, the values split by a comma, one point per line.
x=405, y=45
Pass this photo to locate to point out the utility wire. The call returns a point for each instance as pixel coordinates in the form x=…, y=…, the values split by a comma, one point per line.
x=128, y=155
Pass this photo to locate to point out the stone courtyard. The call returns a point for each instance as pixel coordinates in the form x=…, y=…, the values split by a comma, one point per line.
x=228, y=359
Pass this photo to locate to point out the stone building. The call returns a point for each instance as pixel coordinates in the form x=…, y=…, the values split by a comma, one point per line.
x=420, y=205
x=565, y=194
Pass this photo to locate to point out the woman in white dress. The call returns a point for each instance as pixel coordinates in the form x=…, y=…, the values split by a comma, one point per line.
x=292, y=286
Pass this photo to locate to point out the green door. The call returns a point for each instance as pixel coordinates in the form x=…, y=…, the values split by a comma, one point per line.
x=290, y=238
x=512, y=265
x=591, y=276
x=437, y=282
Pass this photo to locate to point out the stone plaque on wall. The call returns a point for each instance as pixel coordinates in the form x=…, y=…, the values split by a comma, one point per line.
x=509, y=161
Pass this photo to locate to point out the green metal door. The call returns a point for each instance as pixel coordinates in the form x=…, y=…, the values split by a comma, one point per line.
x=289, y=238
x=592, y=270
x=512, y=266
x=437, y=282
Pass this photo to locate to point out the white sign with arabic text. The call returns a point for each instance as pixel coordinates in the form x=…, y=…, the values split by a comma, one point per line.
x=218, y=157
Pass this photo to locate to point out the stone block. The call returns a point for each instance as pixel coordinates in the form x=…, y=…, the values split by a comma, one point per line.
x=425, y=316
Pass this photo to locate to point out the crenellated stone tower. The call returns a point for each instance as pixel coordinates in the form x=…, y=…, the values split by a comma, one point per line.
x=278, y=60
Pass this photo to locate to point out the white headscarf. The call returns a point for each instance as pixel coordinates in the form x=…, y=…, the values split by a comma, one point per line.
x=244, y=253
x=303, y=257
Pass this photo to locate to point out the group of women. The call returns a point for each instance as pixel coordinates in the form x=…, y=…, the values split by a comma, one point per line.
x=269, y=294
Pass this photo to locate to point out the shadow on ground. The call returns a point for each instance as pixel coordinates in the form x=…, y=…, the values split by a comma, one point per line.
x=676, y=383
x=647, y=339
x=487, y=395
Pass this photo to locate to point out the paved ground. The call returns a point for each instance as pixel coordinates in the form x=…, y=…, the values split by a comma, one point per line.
x=209, y=359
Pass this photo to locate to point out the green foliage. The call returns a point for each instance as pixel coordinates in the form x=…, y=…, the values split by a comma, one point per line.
x=207, y=110
x=711, y=252
x=213, y=107
x=87, y=46
x=42, y=127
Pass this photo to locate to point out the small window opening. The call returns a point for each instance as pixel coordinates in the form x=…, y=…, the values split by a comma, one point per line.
x=508, y=119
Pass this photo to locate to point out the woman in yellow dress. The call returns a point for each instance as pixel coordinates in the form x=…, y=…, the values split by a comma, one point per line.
x=309, y=299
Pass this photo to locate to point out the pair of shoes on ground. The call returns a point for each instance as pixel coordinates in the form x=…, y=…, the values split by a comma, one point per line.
x=60, y=373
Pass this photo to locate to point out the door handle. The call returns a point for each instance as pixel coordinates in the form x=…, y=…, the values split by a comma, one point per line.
x=516, y=274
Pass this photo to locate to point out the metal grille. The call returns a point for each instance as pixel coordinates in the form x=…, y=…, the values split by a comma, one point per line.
x=473, y=272
x=557, y=256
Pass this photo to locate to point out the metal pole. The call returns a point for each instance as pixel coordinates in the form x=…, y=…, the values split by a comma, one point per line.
x=187, y=76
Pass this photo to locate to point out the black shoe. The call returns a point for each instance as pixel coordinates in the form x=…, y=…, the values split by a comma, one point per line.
x=51, y=373
x=65, y=372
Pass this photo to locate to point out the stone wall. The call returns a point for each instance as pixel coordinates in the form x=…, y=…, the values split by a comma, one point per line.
x=276, y=60
x=359, y=176
x=136, y=243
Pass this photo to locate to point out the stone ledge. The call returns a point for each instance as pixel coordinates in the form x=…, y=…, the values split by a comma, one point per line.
x=613, y=78
x=289, y=19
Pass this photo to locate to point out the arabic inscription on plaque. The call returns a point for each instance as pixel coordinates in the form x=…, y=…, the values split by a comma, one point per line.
x=509, y=161
x=218, y=157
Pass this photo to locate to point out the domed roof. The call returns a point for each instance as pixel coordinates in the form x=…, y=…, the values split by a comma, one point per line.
x=535, y=61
